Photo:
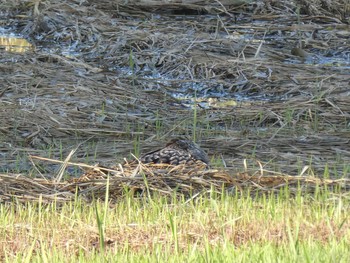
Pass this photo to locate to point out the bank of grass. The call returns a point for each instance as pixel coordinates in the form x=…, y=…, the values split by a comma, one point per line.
x=213, y=227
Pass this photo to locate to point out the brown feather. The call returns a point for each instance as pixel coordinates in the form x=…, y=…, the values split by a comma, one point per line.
x=175, y=152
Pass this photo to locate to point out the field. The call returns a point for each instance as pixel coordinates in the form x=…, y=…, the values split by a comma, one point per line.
x=271, y=228
x=262, y=86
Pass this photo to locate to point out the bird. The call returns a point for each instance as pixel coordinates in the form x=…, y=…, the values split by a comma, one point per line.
x=177, y=151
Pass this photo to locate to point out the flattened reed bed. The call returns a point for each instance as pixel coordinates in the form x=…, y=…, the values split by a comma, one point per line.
x=265, y=9
x=169, y=180
x=119, y=87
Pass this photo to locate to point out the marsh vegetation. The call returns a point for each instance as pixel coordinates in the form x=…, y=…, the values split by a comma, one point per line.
x=262, y=86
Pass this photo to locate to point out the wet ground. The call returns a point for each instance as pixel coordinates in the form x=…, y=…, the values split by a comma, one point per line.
x=111, y=82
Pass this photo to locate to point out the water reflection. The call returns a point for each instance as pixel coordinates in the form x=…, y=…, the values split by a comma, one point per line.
x=15, y=44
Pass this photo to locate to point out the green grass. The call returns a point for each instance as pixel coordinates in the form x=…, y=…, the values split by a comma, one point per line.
x=215, y=228
x=333, y=252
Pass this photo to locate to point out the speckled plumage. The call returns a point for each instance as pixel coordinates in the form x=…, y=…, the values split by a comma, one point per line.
x=177, y=151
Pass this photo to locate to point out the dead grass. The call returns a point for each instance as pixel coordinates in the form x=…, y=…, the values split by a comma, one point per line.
x=147, y=179
x=119, y=85
x=102, y=81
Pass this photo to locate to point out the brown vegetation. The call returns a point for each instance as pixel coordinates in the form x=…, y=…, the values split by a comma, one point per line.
x=104, y=76
x=163, y=179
